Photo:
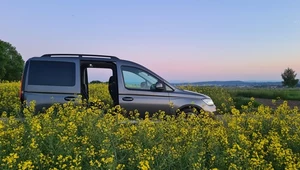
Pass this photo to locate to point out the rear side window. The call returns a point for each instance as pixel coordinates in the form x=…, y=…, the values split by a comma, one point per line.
x=51, y=73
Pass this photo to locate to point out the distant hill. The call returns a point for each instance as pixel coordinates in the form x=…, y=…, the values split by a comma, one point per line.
x=234, y=84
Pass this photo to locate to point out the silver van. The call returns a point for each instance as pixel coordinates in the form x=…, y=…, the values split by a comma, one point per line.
x=58, y=78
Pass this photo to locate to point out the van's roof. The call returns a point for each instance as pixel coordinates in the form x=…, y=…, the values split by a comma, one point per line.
x=83, y=57
x=80, y=55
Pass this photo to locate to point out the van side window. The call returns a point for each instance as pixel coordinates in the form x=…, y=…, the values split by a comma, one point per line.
x=135, y=78
x=51, y=73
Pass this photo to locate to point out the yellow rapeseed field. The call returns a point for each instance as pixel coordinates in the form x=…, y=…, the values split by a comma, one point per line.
x=72, y=136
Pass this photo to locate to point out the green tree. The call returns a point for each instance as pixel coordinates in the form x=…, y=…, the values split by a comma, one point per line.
x=11, y=62
x=289, y=78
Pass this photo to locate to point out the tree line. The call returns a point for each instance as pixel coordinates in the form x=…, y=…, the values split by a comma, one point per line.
x=11, y=62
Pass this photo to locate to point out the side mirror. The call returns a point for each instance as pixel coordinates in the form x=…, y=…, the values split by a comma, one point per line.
x=159, y=86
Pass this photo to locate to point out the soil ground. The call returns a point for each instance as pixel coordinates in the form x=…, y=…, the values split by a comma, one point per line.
x=268, y=102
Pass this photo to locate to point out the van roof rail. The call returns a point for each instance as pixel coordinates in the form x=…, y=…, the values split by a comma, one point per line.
x=81, y=55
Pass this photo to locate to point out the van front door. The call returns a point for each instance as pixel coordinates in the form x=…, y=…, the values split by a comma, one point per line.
x=140, y=92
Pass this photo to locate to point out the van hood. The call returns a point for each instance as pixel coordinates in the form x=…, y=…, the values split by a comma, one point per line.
x=187, y=93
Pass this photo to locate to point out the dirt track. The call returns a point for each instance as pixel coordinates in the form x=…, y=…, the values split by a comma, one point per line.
x=268, y=102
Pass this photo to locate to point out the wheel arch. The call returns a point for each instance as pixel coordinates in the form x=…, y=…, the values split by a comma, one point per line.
x=190, y=106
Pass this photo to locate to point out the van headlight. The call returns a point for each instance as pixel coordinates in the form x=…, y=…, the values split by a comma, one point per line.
x=209, y=102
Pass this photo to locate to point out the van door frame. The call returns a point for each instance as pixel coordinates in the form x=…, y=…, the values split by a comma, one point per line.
x=97, y=64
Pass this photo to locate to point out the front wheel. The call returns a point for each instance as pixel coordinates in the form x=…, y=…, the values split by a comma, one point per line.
x=190, y=111
x=199, y=112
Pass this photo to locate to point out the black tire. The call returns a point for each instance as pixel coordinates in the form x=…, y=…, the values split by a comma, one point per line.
x=189, y=111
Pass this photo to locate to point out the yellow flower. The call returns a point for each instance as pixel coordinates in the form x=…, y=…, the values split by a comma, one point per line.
x=120, y=166
x=26, y=165
x=144, y=165
x=33, y=143
x=11, y=159
x=108, y=160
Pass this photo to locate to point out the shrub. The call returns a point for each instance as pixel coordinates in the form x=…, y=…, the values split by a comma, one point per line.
x=9, y=98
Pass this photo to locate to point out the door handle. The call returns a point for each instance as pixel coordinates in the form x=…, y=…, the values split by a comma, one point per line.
x=69, y=98
x=127, y=99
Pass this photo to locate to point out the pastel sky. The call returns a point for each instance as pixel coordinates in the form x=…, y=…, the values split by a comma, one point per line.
x=196, y=40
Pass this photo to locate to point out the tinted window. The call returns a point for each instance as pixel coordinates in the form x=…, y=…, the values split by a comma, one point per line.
x=51, y=73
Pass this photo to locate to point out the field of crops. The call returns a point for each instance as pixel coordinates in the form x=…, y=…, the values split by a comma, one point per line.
x=267, y=93
x=99, y=137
